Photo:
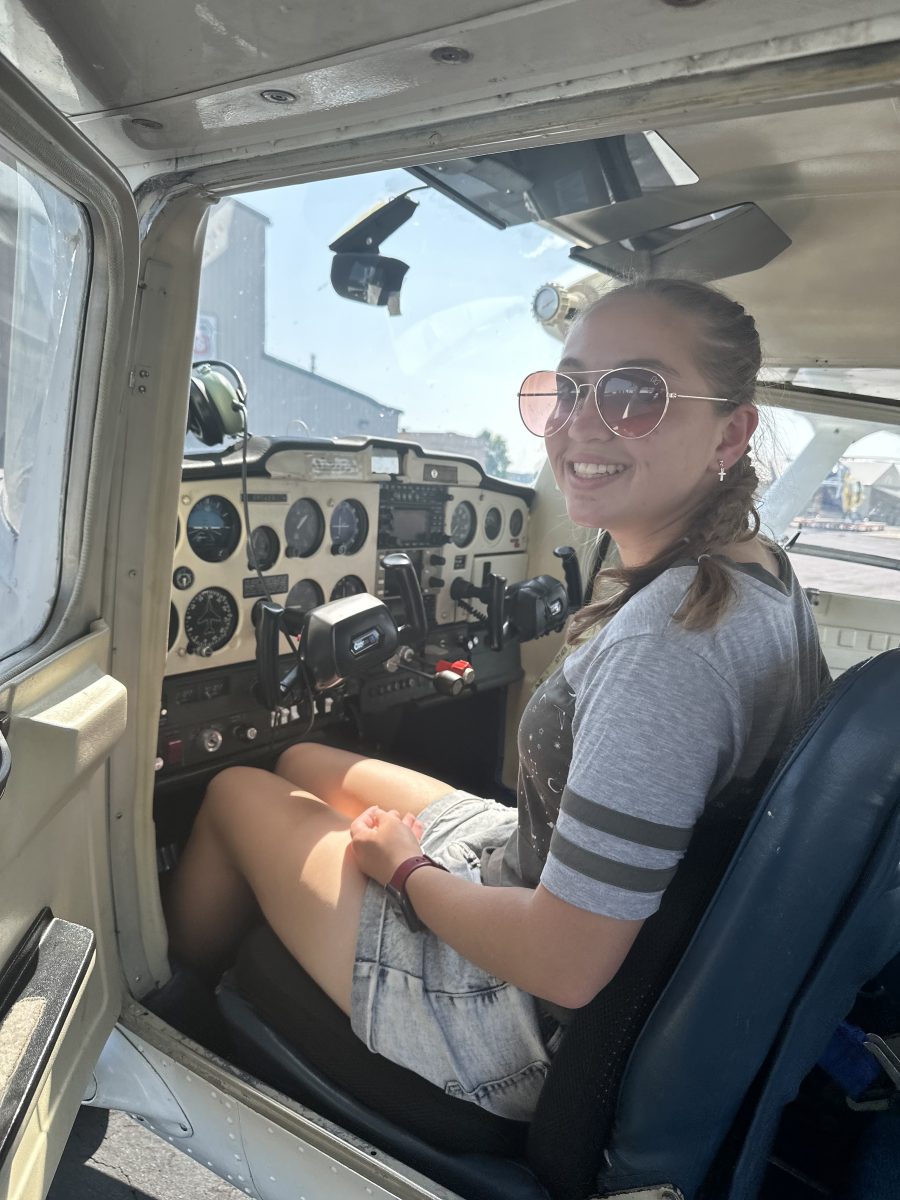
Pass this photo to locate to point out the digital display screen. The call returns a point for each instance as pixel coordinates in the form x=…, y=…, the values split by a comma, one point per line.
x=408, y=524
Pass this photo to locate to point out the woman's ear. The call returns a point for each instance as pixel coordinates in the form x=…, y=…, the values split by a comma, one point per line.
x=738, y=431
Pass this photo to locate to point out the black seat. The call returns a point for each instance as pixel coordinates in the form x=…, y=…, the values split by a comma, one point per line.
x=682, y=1066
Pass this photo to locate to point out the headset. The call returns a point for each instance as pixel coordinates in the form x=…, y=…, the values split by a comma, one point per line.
x=217, y=404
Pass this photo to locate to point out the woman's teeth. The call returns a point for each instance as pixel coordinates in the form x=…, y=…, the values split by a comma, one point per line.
x=586, y=470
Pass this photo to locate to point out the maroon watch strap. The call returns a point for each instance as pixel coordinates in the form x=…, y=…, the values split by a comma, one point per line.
x=406, y=868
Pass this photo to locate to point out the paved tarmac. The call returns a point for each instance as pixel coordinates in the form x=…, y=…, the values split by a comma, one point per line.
x=853, y=579
x=111, y=1157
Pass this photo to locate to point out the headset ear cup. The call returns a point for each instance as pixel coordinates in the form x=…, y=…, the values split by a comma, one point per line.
x=204, y=419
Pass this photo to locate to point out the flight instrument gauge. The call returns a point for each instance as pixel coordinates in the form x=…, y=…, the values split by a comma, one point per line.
x=213, y=529
x=304, y=528
x=493, y=523
x=350, y=585
x=306, y=595
x=462, y=524
x=263, y=549
x=349, y=527
x=210, y=621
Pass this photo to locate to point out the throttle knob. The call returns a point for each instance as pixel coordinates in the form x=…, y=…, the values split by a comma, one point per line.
x=447, y=683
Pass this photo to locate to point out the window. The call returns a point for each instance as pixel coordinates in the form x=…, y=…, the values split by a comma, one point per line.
x=836, y=484
x=44, y=264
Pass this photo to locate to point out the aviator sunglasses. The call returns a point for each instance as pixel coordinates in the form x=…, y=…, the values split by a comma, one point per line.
x=631, y=401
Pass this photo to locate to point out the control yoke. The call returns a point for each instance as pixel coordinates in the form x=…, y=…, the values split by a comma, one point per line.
x=524, y=610
x=414, y=632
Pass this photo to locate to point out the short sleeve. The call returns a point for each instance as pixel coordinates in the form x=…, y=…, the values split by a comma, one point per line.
x=656, y=731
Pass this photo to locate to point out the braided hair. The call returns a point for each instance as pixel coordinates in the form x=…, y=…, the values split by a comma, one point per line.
x=729, y=357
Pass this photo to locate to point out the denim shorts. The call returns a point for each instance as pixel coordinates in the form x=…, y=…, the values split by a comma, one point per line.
x=422, y=1005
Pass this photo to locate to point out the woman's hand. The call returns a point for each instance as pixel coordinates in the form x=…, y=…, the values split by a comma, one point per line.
x=382, y=840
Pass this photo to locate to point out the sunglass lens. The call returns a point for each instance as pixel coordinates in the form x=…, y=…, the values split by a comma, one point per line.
x=546, y=401
x=632, y=401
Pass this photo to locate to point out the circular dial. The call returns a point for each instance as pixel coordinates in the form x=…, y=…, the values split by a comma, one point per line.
x=546, y=303
x=304, y=528
x=210, y=620
x=516, y=521
x=306, y=595
x=349, y=585
x=263, y=549
x=173, y=625
x=213, y=529
x=493, y=523
x=349, y=527
x=462, y=524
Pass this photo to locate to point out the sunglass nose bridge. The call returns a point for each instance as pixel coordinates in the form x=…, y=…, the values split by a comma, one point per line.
x=584, y=392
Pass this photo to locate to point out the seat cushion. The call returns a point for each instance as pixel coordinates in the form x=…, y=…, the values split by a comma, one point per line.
x=294, y=1006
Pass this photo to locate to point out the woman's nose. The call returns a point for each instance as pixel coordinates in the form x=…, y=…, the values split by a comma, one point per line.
x=586, y=416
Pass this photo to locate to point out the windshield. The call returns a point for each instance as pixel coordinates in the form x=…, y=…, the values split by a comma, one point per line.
x=445, y=371
x=439, y=358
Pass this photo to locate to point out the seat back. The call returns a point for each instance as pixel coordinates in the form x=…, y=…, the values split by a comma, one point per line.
x=807, y=910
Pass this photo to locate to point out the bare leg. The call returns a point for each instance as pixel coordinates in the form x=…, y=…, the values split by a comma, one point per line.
x=257, y=836
x=350, y=783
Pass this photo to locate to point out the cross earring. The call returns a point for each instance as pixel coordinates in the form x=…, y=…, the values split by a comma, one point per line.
x=721, y=471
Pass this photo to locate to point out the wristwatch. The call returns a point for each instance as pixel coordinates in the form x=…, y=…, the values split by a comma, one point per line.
x=396, y=888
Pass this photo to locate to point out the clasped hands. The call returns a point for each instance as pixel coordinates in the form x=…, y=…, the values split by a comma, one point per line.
x=381, y=840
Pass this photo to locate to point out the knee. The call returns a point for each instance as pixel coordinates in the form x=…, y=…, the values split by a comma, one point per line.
x=230, y=790
x=299, y=760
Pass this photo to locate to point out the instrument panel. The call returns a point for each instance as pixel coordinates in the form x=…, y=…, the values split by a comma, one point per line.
x=321, y=518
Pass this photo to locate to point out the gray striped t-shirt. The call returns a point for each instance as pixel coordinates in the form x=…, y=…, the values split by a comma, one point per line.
x=621, y=747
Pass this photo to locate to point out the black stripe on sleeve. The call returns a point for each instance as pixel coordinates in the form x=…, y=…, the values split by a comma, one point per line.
x=624, y=825
x=608, y=870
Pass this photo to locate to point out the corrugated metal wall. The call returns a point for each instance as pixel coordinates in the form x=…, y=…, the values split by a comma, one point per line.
x=282, y=398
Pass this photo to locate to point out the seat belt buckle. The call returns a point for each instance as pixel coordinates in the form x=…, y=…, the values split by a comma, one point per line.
x=887, y=1052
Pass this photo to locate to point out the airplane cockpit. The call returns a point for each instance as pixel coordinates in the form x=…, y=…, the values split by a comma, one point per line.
x=277, y=277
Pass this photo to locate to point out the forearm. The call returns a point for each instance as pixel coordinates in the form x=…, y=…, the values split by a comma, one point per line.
x=498, y=929
x=532, y=939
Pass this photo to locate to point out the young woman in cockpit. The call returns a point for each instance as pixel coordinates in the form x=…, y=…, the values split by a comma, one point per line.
x=690, y=672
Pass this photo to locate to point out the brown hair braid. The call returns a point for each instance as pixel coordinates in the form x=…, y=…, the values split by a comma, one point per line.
x=729, y=357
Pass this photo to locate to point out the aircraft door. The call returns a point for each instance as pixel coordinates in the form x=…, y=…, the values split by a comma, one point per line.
x=68, y=261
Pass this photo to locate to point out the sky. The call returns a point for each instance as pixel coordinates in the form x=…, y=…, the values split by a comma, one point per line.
x=453, y=360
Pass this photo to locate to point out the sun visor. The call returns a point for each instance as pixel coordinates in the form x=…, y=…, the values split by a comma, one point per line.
x=546, y=183
x=712, y=245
